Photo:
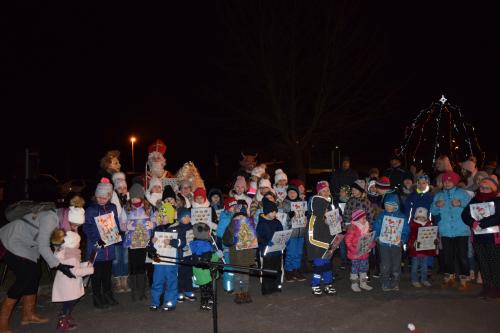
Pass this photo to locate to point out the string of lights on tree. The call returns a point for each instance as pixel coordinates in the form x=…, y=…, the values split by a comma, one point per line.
x=438, y=130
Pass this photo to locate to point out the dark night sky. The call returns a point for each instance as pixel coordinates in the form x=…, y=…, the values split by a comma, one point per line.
x=95, y=75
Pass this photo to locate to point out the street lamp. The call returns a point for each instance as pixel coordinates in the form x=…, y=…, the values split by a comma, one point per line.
x=132, y=140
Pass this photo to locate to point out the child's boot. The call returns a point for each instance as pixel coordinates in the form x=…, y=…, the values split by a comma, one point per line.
x=448, y=280
x=464, y=283
x=316, y=290
x=289, y=276
x=63, y=324
x=355, y=283
x=117, y=286
x=238, y=298
x=330, y=290
x=298, y=275
x=363, y=282
x=248, y=298
x=124, y=284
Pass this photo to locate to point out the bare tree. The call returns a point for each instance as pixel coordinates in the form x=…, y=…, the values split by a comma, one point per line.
x=303, y=70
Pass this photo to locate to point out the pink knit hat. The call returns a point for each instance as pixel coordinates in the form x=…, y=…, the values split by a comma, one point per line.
x=358, y=214
x=322, y=184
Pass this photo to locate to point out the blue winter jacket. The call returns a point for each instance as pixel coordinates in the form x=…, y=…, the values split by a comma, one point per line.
x=451, y=223
x=377, y=225
x=90, y=229
x=416, y=200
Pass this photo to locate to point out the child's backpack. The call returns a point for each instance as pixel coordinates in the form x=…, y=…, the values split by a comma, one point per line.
x=22, y=208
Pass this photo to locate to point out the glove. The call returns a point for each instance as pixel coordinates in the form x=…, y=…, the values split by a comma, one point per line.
x=291, y=214
x=220, y=254
x=271, y=243
x=65, y=270
x=101, y=243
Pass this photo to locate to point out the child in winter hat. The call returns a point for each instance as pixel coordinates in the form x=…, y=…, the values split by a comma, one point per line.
x=104, y=189
x=359, y=268
x=155, y=191
x=69, y=290
x=419, y=258
x=280, y=185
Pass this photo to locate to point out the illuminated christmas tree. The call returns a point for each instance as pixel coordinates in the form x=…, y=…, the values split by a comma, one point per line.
x=440, y=129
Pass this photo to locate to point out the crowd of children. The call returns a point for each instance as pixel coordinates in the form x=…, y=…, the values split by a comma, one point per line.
x=375, y=224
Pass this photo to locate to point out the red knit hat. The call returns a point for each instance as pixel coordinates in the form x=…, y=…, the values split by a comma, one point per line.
x=451, y=176
x=358, y=214
x=297, y=182
x=383, y=183
x=200, y=192
x=229, y=202
x=322, y=184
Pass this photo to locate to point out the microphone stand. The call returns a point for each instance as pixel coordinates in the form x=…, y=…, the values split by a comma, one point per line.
x=215, y=267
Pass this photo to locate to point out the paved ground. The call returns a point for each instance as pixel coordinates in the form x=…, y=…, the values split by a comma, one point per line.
x=296, y=310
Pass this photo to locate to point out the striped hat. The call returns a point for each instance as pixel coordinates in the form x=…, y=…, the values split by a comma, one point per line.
x=358, y=214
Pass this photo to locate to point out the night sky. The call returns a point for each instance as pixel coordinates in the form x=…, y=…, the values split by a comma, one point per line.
x=80, y=80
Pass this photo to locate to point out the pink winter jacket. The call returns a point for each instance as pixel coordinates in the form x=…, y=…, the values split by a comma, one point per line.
x=351, y=241
x=65, y=288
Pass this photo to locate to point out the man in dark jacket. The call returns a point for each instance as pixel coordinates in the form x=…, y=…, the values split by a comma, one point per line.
x=396, y=173
x=343, y=176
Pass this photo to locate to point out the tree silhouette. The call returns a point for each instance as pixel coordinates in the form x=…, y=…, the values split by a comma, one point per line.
x=302, y=73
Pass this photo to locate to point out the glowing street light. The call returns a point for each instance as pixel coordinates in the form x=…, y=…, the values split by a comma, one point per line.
x=133, y=140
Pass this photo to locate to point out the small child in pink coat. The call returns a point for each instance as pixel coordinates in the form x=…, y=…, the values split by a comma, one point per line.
x=359, y=262
x=70, y=290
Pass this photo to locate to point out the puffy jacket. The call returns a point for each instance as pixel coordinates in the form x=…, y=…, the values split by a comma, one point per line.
x=451, y=223
x=416, y=200
x=318, y=237
x=379, y=221
x=90, y=229
x=352, y=238
x=414, y=226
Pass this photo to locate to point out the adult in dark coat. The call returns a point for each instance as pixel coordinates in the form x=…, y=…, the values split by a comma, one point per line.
x=343, y=176
x=396, y=173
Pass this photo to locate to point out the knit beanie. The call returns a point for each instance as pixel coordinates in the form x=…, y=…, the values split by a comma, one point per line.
x=104, y=188
x=279, y=175
x=491, y=183
x=359, y=185
x=229, y=202
x=421, y=214
x=136, y=191
x=265, y=183
x=118, y=178
x=451, y=177
x=258, y=171
x=181, y=212
x=200, y=192
x=168, y=192
x=358, y=214
x=297, y=182
x=292, y=188
x=383, y=183
x=268, y=206
x=322, y=184
x=155, y=181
